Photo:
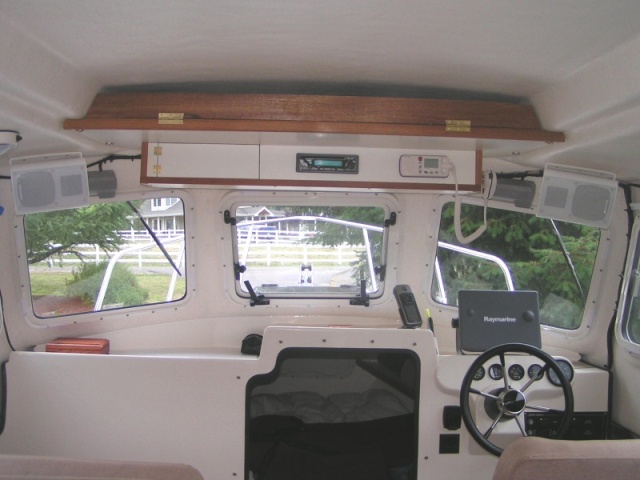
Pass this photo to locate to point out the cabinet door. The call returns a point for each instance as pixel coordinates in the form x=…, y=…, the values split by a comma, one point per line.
x=183, y=161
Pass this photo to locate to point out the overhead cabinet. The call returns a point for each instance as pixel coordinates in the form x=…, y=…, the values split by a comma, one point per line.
x=184, y=165
x=254, y=139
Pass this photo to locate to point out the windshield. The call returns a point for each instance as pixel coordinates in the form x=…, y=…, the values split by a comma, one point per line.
x=302, y=251
x=551, y=257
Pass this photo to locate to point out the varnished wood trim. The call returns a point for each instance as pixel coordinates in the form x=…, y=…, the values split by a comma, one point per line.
x=144, y=165
x=315, y=127
x=314, y=108
x=314, y=114
x=243, y=182
x=479, y=175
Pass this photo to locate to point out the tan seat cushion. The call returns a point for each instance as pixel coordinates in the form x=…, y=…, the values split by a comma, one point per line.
x=533, y=458
x=37, y=467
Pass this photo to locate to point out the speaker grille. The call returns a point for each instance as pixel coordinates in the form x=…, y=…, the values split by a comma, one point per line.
x=590, y=202
x=70, y=185
x=556, y=197
x=36, y=189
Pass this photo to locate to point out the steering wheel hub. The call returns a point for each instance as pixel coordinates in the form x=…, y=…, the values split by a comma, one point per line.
x=512, y=402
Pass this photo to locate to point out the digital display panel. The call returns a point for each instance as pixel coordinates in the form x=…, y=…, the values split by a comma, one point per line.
x=430, y=162
x=322, y=162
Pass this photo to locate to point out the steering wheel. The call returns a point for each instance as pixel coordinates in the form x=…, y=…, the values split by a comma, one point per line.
x=509, y=402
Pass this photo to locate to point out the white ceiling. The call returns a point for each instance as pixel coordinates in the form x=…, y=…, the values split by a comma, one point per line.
x=577, y=61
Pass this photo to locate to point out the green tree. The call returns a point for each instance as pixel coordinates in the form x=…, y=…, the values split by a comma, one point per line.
x=55, y=233
x=558, y=265
x=332, y=234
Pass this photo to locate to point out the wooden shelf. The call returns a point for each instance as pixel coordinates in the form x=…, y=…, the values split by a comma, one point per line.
x=414, y=117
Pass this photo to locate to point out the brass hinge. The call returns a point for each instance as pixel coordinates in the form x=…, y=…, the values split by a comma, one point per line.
x=458, y=125
x=157, y=168
x=170, y=118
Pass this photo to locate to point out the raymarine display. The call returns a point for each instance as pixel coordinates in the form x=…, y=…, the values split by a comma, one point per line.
x=493, y=317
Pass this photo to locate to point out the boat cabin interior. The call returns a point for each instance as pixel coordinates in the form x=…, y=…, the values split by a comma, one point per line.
x=319, y=240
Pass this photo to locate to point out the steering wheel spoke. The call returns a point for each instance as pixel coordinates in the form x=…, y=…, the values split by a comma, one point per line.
x=539, y=408
x=484, y=394
x=503, y=364
x=521, y=427
x=509, y=402
x=493, y=426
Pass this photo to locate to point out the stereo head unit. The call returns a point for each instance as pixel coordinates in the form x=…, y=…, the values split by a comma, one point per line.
x=319, y=163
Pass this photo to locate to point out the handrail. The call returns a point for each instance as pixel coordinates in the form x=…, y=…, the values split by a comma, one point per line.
x=486, y=256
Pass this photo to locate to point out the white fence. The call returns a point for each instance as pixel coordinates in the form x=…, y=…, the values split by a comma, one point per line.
x=265, y=247
x=259, y=235
x=139, y=258
x=282, y=254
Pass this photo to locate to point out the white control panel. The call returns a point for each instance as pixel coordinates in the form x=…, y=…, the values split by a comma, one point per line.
x=434, y=166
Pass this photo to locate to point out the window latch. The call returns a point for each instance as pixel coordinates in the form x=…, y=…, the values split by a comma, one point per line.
x=363, y=298
x=256, y=299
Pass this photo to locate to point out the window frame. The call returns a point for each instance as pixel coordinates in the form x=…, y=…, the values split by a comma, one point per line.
x=588, y=315
x=633, y=260
x=384, y=201
x=101, y=315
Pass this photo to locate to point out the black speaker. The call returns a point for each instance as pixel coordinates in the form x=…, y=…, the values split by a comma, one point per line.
x=577, y=195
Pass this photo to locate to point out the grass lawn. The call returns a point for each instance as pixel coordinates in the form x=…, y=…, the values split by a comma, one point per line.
x=55, y=283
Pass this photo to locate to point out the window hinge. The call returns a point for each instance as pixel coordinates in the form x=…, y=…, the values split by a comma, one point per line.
x=458, y=125
x=238, y=269
x=228, y=219
x=391, y=221
x=170, y=118
x=381, y=271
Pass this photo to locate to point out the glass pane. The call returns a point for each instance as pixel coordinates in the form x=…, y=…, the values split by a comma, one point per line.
x=102, y=257
x=307, y=251
x=631, y=326
x=551, y=257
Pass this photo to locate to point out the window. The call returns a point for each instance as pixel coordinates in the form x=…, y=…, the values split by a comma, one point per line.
x=290, y=251
x=104, y=257
x=631, y=317
x=518, y=251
